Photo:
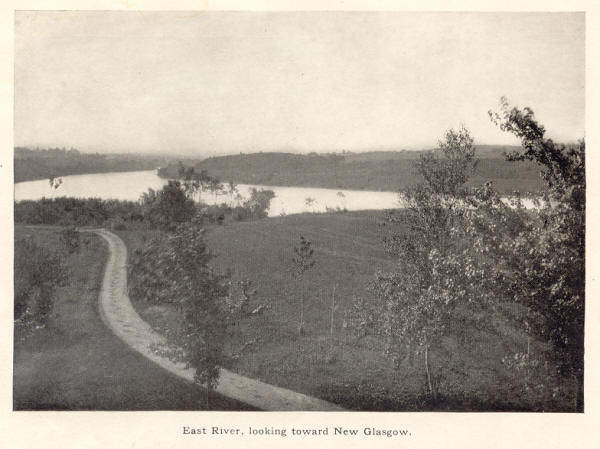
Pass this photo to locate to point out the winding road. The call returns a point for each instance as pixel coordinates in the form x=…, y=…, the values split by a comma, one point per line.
x=119, y=315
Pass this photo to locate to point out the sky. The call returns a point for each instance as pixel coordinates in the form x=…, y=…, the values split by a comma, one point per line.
x=204, y=83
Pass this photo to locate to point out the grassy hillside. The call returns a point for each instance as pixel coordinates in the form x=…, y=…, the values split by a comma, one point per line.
x=348, y=251
x=77, y=363
x=384, y=171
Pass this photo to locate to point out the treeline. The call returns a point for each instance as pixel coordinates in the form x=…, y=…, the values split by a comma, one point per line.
x=381, y=171
x=157, y=209
x=30, y=164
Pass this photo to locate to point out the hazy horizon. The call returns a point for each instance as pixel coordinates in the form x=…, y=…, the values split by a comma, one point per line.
x=217, y=83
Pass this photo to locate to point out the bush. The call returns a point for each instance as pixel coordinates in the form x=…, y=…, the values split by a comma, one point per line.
x=70, y=238
x=75, y=211
x=168, y=207
x=38, y=273
x=173, y=268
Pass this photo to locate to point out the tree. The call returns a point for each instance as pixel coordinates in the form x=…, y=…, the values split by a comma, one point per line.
x=343, y=199
x=232, y=189
x=303, y=260
x=310, y=202
x=464, y=254
x=447, y=175
x=168, y=207
x=215, y=186
x=414, y=304
x=174, y=268
x=548, y=255
x=259, y=202
x=55, y=183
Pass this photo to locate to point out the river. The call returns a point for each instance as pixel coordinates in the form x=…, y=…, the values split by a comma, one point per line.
x=288, y=200
x=131, y=185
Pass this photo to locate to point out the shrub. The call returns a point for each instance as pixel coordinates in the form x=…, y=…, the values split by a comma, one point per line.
x=38, y=273
x=174, y=268
x=70, y=238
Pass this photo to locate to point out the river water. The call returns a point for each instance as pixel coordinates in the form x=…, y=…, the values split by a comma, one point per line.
x=288, y=200
x=131, y=185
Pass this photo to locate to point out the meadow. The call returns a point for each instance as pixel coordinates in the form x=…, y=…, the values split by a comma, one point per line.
x=349, y=368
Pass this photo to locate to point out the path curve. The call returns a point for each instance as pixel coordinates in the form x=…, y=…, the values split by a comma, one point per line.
x=119, y=315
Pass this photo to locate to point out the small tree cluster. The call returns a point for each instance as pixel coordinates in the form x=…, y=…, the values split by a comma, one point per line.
x=174, y=268
x=38, y=274
x=168, y=207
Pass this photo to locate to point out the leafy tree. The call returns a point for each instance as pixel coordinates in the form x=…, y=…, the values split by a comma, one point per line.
x=343, y=199
x=303, y=260
x=232, y=190
x=416, y=300
x=174, y=268
x=259, y=202
x=310, y=202
x=215, y=186
x=463, y=255
x=547, y=257
x=447, y=175
x=55, y=183
x=168, y=207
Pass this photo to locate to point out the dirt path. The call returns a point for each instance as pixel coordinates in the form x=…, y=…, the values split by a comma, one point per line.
x=120, y=316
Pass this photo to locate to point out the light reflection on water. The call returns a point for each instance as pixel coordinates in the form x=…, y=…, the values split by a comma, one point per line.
x=131, y=185
x=288, y=200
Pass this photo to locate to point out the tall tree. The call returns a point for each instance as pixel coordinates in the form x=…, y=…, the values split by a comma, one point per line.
x=415, y=315
x=175, y=268
x=303, y=260
x=548, y=256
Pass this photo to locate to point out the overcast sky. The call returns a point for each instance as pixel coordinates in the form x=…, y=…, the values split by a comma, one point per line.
x=206, y=83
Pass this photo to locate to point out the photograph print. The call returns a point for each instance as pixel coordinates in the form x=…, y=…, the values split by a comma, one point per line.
x=299, y=211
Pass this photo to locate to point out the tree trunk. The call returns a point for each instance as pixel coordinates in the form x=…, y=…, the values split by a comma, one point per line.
x=301, y=325
x=427, y=371
x=332, y=309
x=330, y=357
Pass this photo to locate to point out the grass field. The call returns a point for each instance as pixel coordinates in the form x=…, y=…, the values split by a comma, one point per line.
x=76, y=363
x=348, y=251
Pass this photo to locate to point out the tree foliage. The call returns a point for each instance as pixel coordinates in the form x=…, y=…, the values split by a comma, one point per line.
x=303, y=260
x=418, y=299
x=464, y=254
x=168, y=207
x=547, y=257
x=174, y=268
x=38, y=274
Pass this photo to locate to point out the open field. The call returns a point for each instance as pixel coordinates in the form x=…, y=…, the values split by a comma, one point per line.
x=348, y=251
x=76, y=363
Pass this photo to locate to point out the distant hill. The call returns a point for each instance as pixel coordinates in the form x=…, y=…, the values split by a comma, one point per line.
x=379, y=170
x=482, y=151
x=31, y=164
